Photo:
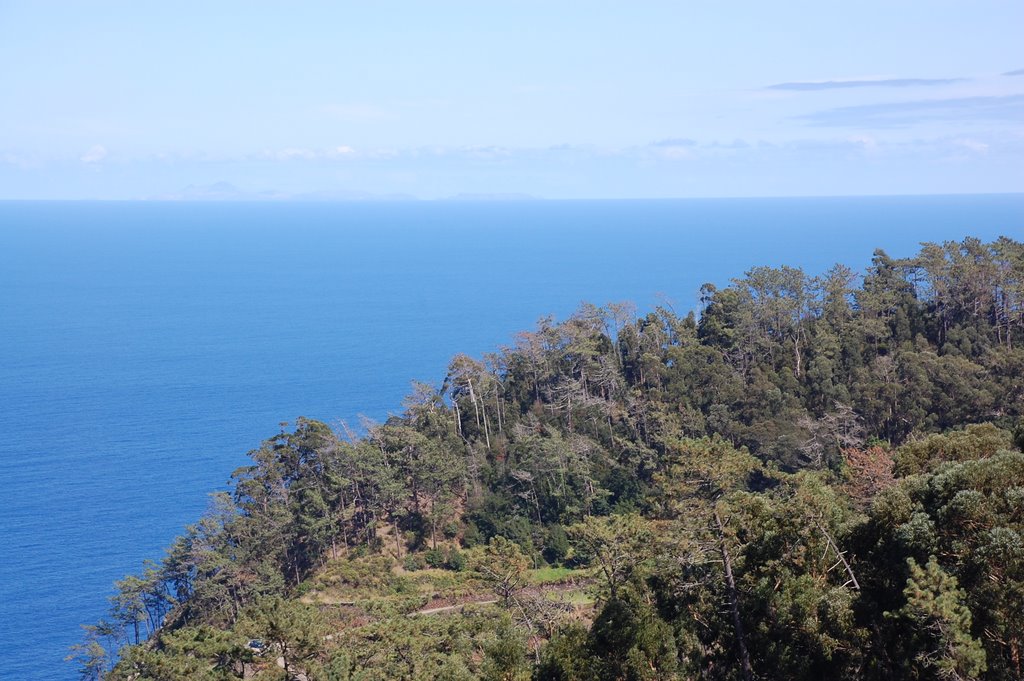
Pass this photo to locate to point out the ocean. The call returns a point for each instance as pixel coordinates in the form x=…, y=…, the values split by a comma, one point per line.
x=145, y=347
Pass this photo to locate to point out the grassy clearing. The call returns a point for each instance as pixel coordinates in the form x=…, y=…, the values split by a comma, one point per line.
x=557, y=575
x=379, y=587
x=380, y=583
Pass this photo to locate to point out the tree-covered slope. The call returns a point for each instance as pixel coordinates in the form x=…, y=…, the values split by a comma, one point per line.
x=815, y=477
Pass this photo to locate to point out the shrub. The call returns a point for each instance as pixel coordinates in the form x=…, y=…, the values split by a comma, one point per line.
x=456, y=560
x=435, y=558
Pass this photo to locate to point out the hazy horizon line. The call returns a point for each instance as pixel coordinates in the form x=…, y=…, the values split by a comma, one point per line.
x=510, y=198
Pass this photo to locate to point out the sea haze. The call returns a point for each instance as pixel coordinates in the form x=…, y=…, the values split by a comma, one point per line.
x=147, y=346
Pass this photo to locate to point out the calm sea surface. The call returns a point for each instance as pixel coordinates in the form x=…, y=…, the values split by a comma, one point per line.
x=146, y=347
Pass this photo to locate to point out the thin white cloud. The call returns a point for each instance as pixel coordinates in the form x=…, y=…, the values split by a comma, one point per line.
x=1008, y=108
x=294, y=153
x=805, y=86
x=874, y=141
x=866, y=142
x=675, y=148
x=972, y=145
x=485, y=152
x=675, y=142
x=304, y=154
x=94, y=155
x=676, y=153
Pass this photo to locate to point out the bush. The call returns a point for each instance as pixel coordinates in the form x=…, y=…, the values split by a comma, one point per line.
x=413, y=562
x=472, y=536
x=456, y=561
x=556, y=546
x=435, y=558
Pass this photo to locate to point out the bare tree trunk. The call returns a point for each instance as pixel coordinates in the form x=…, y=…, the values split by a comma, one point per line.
x=529, y=624
x=472, y=397
x=458, y=418
x=344, y=525
x=487, y=430
x=796, y=352
x=734, y=607
x=234, y=602
x=831, y=543
x=497, y=408
x=433, y=525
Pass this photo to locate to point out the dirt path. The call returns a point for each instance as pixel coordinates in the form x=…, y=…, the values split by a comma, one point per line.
x=436, y=608
x=449, y=608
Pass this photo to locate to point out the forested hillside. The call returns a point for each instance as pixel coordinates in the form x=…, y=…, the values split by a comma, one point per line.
x=814, y=477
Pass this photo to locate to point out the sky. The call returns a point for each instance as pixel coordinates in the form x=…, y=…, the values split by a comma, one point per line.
x=646, y=99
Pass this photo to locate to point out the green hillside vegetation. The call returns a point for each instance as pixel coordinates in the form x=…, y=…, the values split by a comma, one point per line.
x=814, y=477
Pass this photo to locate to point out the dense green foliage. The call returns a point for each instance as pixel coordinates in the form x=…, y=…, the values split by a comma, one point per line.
x=814, y=478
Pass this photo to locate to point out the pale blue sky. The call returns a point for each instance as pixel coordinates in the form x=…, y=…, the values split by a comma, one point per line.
x=553, y=99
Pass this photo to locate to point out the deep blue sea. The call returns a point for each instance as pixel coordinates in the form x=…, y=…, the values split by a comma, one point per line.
x=146, y=347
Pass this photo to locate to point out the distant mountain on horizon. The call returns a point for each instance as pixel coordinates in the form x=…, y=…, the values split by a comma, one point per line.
x=223, y=190
x=493, y=196
x=226, y=191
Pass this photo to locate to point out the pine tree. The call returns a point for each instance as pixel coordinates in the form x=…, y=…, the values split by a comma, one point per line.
x=942, y=624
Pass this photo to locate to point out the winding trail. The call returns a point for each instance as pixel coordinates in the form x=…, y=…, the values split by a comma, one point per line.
x=449, y=608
